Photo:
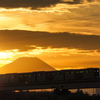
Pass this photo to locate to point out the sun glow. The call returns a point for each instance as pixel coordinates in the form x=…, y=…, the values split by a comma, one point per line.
x=5, y=58
x=3, y=18
x=5, y=55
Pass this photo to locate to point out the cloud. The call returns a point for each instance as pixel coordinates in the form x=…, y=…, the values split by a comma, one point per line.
x=83, y=19
x=34, y=4
x=80, y=1
x=25, y=40
x=27, y=3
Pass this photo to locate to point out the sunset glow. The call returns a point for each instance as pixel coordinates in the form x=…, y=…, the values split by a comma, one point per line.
x=63, y=33
x=58, y=18
x=67, y=57
x=5, y=55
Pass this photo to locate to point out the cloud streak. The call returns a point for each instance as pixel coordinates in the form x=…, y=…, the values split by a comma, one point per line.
x=26, y=40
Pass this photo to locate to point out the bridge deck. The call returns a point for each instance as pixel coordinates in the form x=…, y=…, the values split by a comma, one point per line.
x=72, y=84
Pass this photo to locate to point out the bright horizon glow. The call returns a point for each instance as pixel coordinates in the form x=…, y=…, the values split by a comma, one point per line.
x=5, y=55
x=9, y=56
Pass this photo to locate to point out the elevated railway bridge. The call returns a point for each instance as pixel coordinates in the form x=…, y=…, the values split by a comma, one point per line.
x=57, y=80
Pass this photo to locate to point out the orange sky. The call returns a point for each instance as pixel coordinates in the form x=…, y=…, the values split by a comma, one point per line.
x=63, y=33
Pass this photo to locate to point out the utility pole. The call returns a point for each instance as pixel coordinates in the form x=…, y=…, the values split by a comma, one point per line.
x=93, y=93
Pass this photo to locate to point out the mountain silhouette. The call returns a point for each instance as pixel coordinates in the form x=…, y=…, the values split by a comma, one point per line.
x=26, y=64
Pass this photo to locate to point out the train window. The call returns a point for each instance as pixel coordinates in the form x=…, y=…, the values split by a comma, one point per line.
x=39, y=74
x=67, y=72
x=26, y=82
x=81, y=71
x=72, y=72
x=97, y=70
x=86, y=71
x=3, y=77
x=12, y=76
x=29, y=75
x=25, y=75
x=21, y=76
x=77, y=72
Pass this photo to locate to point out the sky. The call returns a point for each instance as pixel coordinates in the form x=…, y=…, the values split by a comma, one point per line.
x=63, y=33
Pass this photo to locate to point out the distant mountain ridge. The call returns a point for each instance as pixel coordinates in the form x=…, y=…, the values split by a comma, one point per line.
x=26, y=64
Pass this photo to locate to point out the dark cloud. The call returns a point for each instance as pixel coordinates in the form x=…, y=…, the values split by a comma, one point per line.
x=27, y=3
x=81, y=1
x=78, y=1
x=34, y=4
x=23, y=40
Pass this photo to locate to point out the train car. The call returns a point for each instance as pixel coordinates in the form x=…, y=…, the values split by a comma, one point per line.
x=30, y=77
x=69, y=74
x=80, y=74
x=9, y=78
x=4, y=78
x=13, y=78
x=40, y=76
x=91, y=73
x=59, y=75
x=50, y=76
x=26, y=77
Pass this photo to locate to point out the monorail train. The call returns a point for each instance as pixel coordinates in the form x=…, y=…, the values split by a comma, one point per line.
x=49, y=76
